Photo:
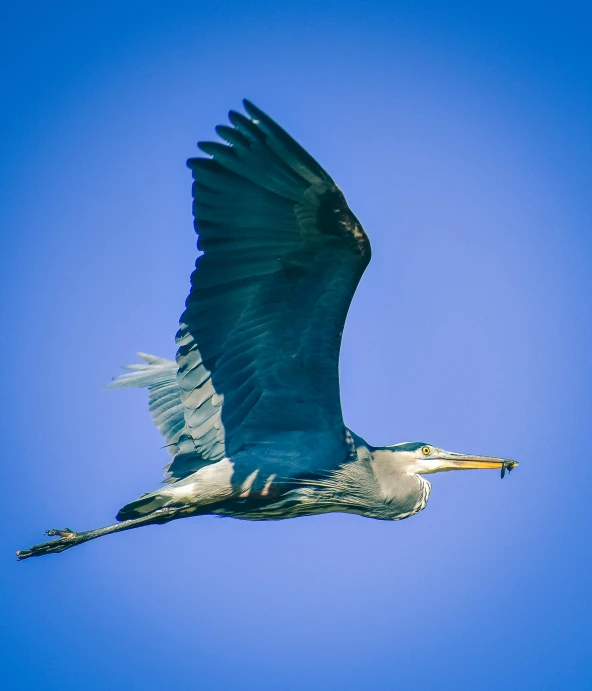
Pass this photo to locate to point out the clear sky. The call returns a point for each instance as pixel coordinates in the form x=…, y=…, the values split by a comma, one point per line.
x=460, y=134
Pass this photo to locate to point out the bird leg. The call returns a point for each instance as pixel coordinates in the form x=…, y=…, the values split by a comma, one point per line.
x=68, y=538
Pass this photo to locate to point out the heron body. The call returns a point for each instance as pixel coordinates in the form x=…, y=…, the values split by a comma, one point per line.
x=294, y=474
x=250, y=410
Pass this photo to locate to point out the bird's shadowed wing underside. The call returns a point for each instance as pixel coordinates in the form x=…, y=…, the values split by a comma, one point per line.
x=260, y=336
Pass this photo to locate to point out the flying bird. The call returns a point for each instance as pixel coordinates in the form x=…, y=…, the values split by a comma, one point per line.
x=250, y=409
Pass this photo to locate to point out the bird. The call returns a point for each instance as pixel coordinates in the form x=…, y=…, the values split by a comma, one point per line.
x=250, y=408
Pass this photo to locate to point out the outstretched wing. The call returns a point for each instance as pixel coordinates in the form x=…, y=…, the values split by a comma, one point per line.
x=260, y=336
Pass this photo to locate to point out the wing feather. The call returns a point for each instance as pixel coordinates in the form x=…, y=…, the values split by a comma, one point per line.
x=260, y=336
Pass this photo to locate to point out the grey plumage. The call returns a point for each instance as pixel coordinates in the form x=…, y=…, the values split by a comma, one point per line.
x=346, y=482
x=250, y=410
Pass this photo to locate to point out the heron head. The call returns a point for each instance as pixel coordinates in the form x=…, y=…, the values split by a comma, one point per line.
x=421, y=458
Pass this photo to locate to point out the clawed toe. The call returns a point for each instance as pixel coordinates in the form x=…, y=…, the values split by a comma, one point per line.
x=67, y=533
x=66, y=538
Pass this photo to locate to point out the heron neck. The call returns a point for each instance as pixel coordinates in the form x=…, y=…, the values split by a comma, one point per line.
x=408, y=491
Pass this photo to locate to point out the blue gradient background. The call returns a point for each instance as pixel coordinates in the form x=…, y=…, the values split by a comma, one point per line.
x=461, y=136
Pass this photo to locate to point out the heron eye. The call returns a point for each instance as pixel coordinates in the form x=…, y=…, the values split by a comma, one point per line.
x=426, y=450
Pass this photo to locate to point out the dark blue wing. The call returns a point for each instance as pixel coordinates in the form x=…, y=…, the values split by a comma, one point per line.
x=260, y=336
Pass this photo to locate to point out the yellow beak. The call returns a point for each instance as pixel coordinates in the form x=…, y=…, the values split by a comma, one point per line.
x=459, y=461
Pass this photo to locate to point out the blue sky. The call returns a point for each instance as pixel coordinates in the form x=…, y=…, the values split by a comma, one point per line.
x=460, y=134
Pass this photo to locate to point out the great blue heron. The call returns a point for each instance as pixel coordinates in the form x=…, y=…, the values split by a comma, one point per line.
x=250, y=409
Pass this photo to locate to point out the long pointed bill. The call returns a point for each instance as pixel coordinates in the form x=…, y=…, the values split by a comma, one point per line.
x=460, y=461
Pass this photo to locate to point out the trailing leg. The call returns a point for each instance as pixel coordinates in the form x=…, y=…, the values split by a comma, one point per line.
x=68, y=538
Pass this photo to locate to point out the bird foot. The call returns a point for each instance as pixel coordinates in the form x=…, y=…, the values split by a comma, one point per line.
x=67, y=538
x=65, y=532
